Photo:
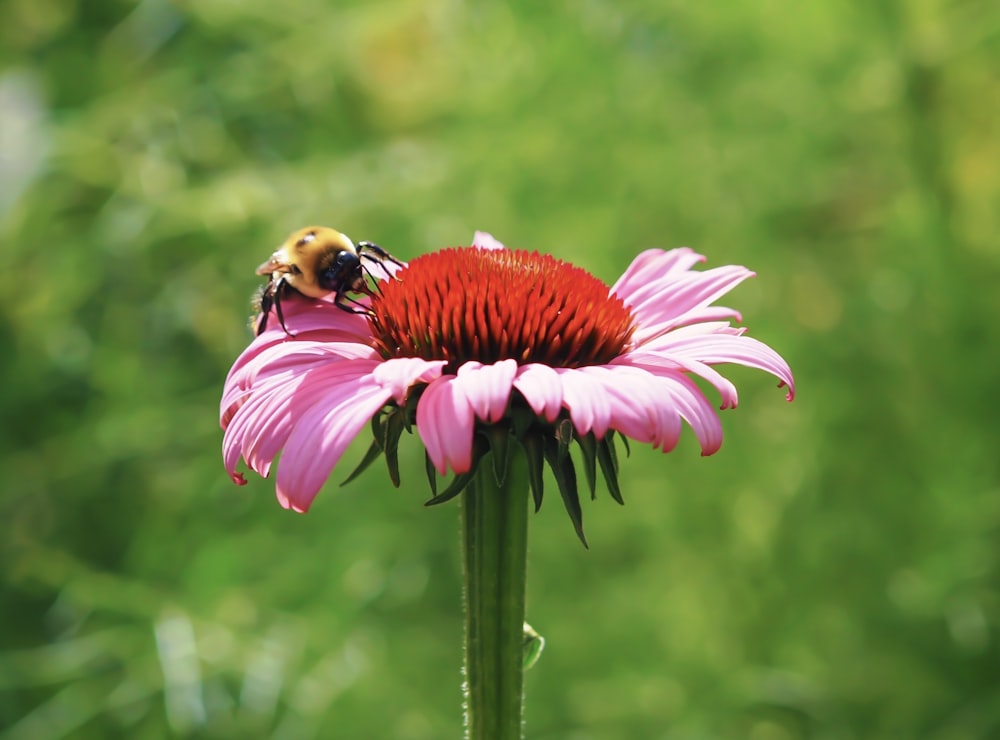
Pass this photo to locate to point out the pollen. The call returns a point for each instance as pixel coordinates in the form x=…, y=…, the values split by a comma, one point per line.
x=465, y=303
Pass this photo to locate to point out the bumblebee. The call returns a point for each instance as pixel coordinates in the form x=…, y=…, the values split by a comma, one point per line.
x=314, y=262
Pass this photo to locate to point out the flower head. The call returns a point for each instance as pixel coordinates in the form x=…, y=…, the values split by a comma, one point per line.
x=479, y=345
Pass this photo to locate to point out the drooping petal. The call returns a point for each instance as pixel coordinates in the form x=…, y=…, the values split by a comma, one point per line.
x=658, y=362
x=268, y=414
x=589, y=407
x=487, y=387
x=635, y=407
x=262, y=427
x=726, y=347
x=541, y=388
x=319, y=439
x=315, y=390
x=445, y=423
x=680, y=392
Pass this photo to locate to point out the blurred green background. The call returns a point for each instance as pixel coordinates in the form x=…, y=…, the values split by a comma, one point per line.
x=834, y=572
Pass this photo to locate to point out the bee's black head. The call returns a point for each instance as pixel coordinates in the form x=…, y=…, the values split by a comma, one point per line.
x=338, y=270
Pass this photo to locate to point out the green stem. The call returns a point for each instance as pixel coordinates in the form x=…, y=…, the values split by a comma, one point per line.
x=494, y=554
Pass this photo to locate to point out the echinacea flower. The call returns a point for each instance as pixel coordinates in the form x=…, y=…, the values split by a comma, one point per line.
x=475, y=346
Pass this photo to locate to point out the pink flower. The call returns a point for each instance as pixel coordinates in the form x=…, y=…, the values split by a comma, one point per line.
x=476, y=337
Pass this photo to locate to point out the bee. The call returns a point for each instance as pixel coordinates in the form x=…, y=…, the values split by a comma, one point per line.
x=314, y=262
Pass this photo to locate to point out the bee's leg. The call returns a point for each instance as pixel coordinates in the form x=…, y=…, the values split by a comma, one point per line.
x=343, y=301
x=380, y=254
x=371, y=287
x=264, y=307
x=278, y=289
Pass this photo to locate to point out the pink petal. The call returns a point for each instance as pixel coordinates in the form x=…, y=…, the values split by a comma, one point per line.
x=263, y=425
x=485, y=240
x=262, y=361
x=654, y=264
x=319, y=439
x=541, y=388
x=657, y=362
x=399, y=375
x=487, y=387
x=648, y=406
x=445, y=423
x=275, y=432
x=693, y=330
x=382, y=271
x=589, y=407
x=706, y=314
x=264, y=414
x=729, y=347
x=636, y=409
x=305, y=316
x=661, y=305
x=683, y=395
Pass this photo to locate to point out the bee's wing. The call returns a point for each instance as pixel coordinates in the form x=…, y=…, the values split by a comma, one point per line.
x=277, y=262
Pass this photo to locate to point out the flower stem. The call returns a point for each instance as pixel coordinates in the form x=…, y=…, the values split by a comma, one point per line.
x=494, y=553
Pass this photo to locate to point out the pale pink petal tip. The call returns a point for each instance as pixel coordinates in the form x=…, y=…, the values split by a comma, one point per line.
x=486, y=240
x=487, y=387
x=445, y=421
x=287, y=503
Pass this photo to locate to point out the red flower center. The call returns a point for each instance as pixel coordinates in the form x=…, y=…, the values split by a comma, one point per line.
x=465, y=303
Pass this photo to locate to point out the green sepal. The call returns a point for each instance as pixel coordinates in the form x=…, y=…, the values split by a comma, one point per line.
x=588, y=448
x=374, y=450
x=498, y=438
x=409, y=410
x=457, y=486
x=609, y=466
x=535, y=454
x=628, y=450
x=431, y=474
x=521, y=419
x=395, y=422
x=378, y=433
x=609, y=440
x=565, y=476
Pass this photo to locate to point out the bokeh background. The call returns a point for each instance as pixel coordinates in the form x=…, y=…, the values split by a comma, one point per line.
x=834, y=572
